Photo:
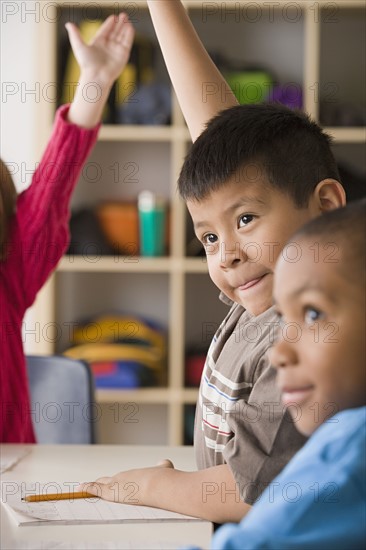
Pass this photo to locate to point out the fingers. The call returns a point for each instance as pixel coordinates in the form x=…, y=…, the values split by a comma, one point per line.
x=116, y=28
x=102, y=489
x=166, y=463
x=127, y=35
x=119, y=22
x=124, y=31
x=75, y=38
x=90, y=487
x=106, y=28
x=104, y=480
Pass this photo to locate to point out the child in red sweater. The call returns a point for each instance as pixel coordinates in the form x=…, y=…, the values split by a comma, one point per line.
x=34, y=226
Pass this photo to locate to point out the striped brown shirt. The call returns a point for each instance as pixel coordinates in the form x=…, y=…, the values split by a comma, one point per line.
x=240, y=419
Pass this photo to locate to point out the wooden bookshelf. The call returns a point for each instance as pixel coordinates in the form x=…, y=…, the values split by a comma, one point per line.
x=182, y=276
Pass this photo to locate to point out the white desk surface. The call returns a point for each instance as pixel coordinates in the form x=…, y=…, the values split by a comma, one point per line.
x=70, y=463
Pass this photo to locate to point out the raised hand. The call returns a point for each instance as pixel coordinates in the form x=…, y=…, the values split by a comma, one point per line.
x=107, y=54
x=101, y=62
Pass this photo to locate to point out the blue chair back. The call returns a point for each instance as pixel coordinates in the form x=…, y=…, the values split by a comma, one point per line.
x=62, y=399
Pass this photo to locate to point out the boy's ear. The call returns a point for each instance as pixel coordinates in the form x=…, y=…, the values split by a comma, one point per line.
x=329, y=194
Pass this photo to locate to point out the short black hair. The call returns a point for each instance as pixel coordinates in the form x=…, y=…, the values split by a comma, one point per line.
x=290, y=151
x=345, y=227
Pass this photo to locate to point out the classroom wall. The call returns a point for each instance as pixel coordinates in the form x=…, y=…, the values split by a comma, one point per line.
x=18, y=58
x=20, y=99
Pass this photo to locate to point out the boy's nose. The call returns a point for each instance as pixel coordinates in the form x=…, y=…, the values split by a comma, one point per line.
x=281, y=354
x=231, y=254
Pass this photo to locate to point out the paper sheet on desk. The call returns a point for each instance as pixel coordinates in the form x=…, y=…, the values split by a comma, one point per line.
x=10, y=456
x=97, y=545
x=82, y=511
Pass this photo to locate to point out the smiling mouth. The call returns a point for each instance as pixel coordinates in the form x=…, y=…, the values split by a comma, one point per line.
x=295, y=395
x=252, y=283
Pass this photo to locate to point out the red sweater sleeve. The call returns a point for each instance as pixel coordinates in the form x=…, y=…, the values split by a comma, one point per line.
x=43, y=209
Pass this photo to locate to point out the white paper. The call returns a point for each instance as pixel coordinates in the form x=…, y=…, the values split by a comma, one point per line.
x=80, y=511
x=10, y=456
x=98, y=545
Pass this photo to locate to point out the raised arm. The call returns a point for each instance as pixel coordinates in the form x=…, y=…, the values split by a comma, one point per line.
x=101, y=62
x=43, y=209
x=191, y=69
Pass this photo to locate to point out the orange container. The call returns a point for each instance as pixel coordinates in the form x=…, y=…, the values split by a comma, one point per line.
x=120, y=225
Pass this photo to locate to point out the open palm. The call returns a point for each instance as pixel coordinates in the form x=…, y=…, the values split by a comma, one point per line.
x=108, y=52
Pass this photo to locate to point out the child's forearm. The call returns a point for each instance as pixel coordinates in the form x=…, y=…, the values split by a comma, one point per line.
x=90, y=98
x=210, y=494
x=201, y=89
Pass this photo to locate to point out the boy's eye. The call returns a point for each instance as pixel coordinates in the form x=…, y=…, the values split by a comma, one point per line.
x=210, y=238
x=244, y=220
x=311, y=315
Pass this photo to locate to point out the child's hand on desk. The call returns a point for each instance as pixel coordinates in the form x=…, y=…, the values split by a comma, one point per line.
x=165, y=463
x=130, y=487
x=184, y=492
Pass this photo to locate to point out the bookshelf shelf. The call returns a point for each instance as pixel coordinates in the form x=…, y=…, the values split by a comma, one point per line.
x=142, y=133
x=177, y=287
x=148, y=395
x=347, y=135
x=132, y=264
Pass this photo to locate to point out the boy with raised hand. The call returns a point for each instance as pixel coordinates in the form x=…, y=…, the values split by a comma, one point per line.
x=252, y=178
x=318, y=500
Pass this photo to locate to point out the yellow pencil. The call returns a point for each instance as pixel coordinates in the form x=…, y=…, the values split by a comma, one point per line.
x=58, y=496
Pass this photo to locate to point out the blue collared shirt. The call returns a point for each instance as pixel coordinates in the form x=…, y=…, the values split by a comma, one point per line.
x=318, y=501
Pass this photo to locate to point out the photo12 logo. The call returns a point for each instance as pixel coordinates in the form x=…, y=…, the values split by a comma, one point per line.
x=50, y=12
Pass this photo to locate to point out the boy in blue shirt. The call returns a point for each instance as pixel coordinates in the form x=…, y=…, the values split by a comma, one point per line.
x=319, y=499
